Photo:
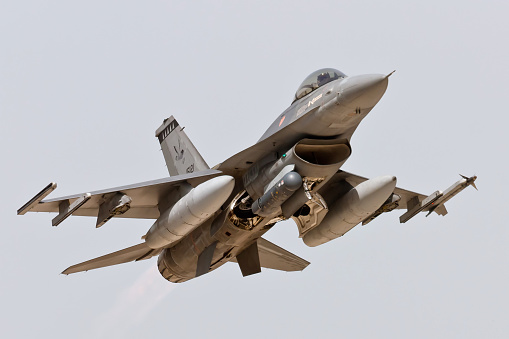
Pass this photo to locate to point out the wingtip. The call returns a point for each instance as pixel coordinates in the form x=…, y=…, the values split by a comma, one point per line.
x=68, y=270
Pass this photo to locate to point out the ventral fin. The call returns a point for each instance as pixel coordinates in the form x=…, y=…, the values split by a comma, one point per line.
x=249, y=260
x=205, y=259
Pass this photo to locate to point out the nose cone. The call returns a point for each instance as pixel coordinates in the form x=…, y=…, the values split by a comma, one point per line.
x=362, y=91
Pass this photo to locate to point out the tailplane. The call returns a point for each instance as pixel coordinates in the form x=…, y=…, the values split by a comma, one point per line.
x=179, y=152
x=133, y=253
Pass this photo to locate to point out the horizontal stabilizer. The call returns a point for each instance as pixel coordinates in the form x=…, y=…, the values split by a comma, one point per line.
x=277, y=258
x=133, y=253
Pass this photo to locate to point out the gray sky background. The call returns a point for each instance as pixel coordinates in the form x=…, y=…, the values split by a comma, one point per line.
x=84, y=85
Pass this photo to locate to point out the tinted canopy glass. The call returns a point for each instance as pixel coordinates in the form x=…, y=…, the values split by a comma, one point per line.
x=316, y=80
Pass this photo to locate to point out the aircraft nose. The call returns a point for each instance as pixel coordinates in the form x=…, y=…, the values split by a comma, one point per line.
x=362, y=91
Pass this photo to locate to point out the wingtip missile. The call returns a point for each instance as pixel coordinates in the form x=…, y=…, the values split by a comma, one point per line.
x=435, y=202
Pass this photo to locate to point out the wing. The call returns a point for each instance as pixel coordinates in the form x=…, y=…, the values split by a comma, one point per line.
x=411, y=201
x=139, y=200
x=134, y=253
x=276, y=258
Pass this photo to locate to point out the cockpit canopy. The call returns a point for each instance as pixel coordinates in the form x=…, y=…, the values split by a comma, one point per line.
x=317, y=79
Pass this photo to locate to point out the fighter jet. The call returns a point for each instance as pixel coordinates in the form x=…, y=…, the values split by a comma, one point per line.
x=206, y=217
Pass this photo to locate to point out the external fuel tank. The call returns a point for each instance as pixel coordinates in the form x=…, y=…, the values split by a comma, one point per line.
x=350, y=209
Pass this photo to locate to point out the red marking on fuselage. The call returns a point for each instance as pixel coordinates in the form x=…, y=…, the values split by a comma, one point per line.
x=282, y=119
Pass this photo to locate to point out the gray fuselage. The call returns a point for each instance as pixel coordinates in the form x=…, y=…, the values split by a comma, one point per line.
x=328, y=113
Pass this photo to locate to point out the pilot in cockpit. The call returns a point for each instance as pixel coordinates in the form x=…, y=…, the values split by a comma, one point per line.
x=323, y=78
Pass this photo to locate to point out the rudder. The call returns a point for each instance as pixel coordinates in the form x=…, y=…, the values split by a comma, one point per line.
x=179, y=152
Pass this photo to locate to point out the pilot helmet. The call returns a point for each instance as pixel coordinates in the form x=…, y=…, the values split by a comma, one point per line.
x=323, y=78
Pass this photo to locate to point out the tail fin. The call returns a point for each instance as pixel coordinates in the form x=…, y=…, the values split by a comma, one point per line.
x=179, y=152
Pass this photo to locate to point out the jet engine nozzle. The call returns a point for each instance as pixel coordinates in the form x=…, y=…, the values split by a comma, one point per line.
x=190, y=211
x=362, y=91
x=351, y=208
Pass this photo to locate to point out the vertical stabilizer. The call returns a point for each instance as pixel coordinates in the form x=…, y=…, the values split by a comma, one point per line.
x=179, y=152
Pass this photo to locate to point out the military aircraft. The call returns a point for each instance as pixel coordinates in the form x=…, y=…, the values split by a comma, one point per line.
x=205, y=217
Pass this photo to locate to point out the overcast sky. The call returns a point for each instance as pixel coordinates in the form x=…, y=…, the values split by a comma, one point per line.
x=84, y=85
